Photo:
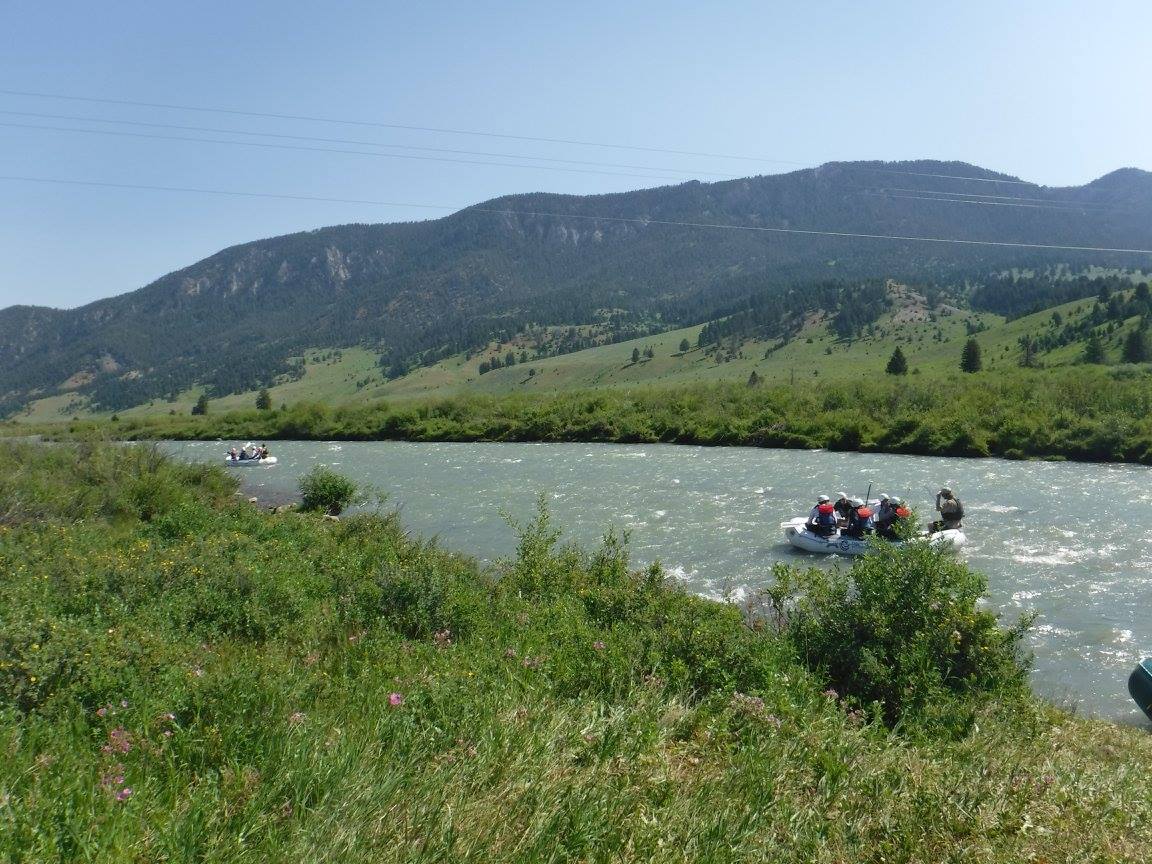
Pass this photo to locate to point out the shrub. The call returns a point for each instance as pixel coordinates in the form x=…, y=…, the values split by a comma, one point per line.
x=324, y=489
x=901, y=631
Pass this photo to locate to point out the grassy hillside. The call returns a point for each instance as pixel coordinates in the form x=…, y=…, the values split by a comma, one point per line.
x=931, y=339
x=185, y=679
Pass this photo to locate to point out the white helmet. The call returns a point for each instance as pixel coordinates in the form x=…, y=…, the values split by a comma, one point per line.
x=855, y=502
x=884, y=497
x=823, y=499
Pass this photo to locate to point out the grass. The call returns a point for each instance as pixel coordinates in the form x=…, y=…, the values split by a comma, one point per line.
x=183, y=678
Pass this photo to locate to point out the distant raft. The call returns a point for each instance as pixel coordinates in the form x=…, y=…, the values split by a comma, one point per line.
x=796, y=533
x=1140, y=686
x=242, y=460
x=249, y=463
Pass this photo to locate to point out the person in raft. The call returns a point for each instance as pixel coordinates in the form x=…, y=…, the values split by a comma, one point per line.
x=843, y=506
x=859, y=520
x=951, y=511
x=894, y=528
x=822, y=519
x=883, y=515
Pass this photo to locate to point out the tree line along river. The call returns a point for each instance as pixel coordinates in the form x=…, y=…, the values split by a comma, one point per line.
x=1067, y=540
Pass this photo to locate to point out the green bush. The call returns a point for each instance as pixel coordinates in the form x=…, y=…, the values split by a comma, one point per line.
x=324, y=489
x=901, y=632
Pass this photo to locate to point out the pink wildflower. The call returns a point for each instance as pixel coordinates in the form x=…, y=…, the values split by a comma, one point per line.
x=297, y=717
x=101, y=712
x=830, y=693
x=119, y=741
x=395, y=699
x=124, y=794
x=599, y=645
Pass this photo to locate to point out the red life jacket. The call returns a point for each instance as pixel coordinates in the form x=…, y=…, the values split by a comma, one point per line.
x=864, y=512
x=826, y=508
x=903, y=512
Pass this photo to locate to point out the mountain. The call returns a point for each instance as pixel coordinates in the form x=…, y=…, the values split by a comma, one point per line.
x=417, y=292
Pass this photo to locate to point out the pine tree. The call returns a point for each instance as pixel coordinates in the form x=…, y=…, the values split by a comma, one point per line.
x=897, y=363
x=1136, y=344
x=264, y=400
x=635, y=355
x=1094, y=350
x=753, y=379
x=1027, y=351
x=201, y=406
x=970, y=358
x=685, y=346
x=649, y=353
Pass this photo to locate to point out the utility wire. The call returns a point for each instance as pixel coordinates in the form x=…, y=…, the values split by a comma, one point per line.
x=618, y=219
x=968, y=201
x=356, y=143
x=985, y=195
x=379, y=125
x=300, y=147
x=929, y=195
x=941, y=176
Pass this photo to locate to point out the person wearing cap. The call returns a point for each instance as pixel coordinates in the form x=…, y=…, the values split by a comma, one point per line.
x=950, y=508
x=894, y=528
x=859, y=520
x=822, y=519
x=843, y=505
x=884, y=514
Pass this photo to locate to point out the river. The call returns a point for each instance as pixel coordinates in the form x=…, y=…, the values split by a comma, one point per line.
x=1067, y=540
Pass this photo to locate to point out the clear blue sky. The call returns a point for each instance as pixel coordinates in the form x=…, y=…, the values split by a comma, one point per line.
x=1055, y=92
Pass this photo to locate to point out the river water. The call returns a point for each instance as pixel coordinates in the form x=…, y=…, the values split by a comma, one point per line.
x=1069, y=541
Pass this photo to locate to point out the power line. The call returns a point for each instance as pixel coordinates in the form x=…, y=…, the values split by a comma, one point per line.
x=380, y=125
x=619, y=219
x=966, y=201
x=927, y=174
x=300, y=147
x=987, y=195
x=930, y=195
x=354, y=142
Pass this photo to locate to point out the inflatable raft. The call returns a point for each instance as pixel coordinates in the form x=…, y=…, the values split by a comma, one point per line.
x=248, y=463
x=1140, y=686
x=799, y=536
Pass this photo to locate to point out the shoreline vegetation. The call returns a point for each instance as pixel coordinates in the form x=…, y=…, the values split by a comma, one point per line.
x=186, y=678
x=1081, y=414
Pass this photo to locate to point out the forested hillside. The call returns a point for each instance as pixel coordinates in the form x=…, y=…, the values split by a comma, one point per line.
x=418, y=292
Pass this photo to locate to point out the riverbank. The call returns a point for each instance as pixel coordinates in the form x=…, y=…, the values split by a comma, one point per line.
x=186, y=678
x=1077, y=413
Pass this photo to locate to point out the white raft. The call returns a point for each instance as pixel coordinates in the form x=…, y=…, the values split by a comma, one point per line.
x=248, y=463
x=800, y=537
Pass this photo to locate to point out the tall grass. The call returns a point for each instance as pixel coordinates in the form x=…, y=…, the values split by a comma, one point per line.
x=193, y=680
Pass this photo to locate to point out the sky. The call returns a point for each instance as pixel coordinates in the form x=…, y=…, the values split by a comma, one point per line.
x=1054, y=92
